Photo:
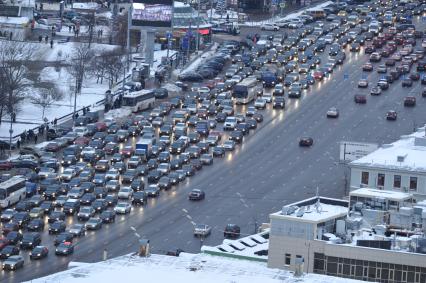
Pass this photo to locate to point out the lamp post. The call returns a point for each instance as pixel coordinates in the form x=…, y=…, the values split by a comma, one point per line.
x=198, y=26
x=10, y=134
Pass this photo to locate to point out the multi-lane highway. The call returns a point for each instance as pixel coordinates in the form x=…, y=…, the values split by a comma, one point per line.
x=267, y=171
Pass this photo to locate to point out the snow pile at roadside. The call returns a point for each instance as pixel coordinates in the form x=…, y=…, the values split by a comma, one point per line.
x=85, y=6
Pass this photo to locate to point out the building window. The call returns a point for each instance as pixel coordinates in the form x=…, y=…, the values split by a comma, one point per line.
x=340, y=268
x=391, y=274
x=397, y=181
x=380, y=180
x=364, y=178
x=413, y=183
x=287, y=259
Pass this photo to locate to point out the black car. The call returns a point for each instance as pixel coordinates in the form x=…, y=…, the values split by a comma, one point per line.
x=99, y=205
x=14, y=237
x=55, y=216
x=137, y=185
x=108, y=216
x=39, y=252
x=87, y=199
x=21, y=218
x=8, y=251
x=218, y=151
x=278, y=102
x=236, y=136
x=30, y=240
x=57, y=227
x=65, y=248
x=139, y=198
x=306, y=141
x=164, y=183
x=111, y=200
x=35, y=225
x=47, y=206
x=231, y=231
x=63, y=237
x=196, y=194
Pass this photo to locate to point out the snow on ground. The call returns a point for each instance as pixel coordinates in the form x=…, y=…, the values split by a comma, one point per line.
x=157, y=59
x=192, y=66
x=187, y=268
x=14, y=20
x=85, y=6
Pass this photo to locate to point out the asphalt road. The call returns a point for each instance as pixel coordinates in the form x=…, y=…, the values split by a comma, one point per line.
x=266, y=172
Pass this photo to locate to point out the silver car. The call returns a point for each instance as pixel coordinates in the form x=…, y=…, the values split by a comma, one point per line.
x=202, y=230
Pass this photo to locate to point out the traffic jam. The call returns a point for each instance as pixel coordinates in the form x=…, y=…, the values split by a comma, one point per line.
x=87, y=175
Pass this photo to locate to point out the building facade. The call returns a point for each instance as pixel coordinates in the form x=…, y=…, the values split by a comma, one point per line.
x=400, y=166
x=341, y=238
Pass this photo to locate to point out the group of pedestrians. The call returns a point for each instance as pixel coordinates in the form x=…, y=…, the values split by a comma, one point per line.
x=6, y=34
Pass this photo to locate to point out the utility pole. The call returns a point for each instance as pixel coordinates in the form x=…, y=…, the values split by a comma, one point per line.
x=129, y=23
x=198, y=26
x=10, y=133
x=211, y=10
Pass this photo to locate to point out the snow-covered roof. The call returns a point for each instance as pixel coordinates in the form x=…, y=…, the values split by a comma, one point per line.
x=246, y=247
x=374, y=193
x=406, y=154
x=313, y=210
x=187, y=268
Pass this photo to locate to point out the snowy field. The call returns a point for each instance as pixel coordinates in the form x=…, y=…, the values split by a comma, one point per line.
x=187, y=268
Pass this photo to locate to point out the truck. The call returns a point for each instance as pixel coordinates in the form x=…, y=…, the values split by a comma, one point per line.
x=144, y=148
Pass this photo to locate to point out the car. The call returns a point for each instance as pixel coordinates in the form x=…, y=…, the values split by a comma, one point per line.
x=108, y=216
x=218, y=151
x=63, y=237
x=196, y=194
x=391, y=115
x=39, y=252
x=139, y=198
x=231, y=231
x=260, y=103
x=360, y=98
x=278, y=102
x=410, y=101
x=376, y=90
x=94, y=223
x=85, y=213
x=30, y=240
x=35, y=225
x=306, y=141
x=333, y=112
x=153, y=190
x=269, y=26
x=13, y=263
x=7, y=215
x=202, y=230
x=8, y=251
x=57, y=227
x=367, y=67
x=125, y=193
x=77, y=230
x=13, y=237
x=65, y=248
x=122, y=208
x=407, y=82
x=363, y=83
x=206, y=159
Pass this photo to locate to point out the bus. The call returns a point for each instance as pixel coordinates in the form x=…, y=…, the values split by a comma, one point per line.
x=139, y=100
x=12, y=191
x=245, y=91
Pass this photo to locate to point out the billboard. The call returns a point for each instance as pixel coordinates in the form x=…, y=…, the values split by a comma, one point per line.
x=350, y=151
x=152, y=13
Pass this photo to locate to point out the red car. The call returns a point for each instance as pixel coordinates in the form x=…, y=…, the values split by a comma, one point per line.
x=5, y=165
x=127, y=151
x=101, y=126
x=318, y=75
x=360, y=98
x=52, y=147
x=82, y=141
x=3, y=242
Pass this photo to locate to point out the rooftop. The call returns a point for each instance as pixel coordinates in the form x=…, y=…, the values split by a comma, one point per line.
x=374, y=193
x=187, y=268
x=408, y=153
x=315, y=210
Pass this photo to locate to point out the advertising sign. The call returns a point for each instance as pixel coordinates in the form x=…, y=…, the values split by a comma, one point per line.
x=350, y=151
x=152, y=13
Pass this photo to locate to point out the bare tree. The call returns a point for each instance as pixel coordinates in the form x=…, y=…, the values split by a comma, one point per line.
x=14, y=56
x=79, y=64
x=109, y=65
x=45, y=97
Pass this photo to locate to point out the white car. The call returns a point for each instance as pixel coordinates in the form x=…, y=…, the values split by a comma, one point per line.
x=88, y=150
x=332, y=112
x=81, y=131
x=112, y=174
x=164, y=168
x=295, y=25
x=125, y=193
x=269, y=26
x=68, y=174
x=260, y=103
x=122, y=208
x=202, y=230
x=46, y=172
x=267, y=97
x=230, y=123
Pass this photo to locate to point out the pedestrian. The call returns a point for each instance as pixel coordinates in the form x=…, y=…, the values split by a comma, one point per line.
x=46, y=39
x=73, y=29
x=10, y=35
x=36, y=6
x=47, y=127
x=35, y=139
x=102, y=32
x=40, y=38
x=18, y=144
x=76, y=115
x=84, y=111
x=41, y=130
x=69, y=29
x=55, y=122
x=13, y=117
x=24, y=136
x=41, y=6
x=30, y=134
x=88, y=109
x=51, y=43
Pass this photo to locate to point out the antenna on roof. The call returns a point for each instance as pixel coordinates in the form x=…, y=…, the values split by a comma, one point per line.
x=318, y=203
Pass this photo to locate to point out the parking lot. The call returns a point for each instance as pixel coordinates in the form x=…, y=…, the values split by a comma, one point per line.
x=244, y=184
